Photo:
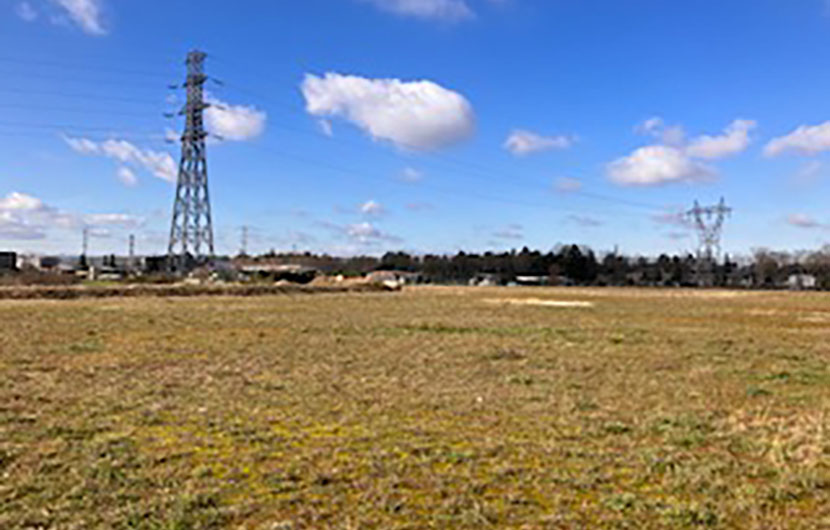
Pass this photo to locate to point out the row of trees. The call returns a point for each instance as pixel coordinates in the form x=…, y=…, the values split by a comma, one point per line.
x=579, y=265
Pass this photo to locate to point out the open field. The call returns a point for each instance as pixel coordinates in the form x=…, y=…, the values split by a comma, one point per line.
x=431, y=408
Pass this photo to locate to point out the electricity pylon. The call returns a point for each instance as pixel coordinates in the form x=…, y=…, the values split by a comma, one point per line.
x=708, y=221
x=191, y=230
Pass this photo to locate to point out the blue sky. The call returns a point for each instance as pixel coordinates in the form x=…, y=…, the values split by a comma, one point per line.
x=360, y=126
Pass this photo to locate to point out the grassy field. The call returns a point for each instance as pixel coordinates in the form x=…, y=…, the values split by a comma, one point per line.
x=431, y=408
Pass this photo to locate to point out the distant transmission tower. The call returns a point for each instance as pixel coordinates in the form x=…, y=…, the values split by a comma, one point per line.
x=84, y=247
x=243, y=248
x=191, y=230
x=708, y=221
x=131, y=263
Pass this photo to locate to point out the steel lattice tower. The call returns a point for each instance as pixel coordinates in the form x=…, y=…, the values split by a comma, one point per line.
x=708, y=221
x=191, y=230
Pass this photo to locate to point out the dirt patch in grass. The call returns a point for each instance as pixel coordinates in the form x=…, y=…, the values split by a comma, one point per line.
x=539, y=302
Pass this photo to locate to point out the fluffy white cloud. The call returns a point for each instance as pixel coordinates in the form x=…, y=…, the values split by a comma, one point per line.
x=674, y=135
x=366, y=233
x=16, y=201
x=371, y=207
x=417, y=115
x=161, y=164
x=26, y=217
x=676, y=160
x=86, y=14
x=234, y=122
x=427, y=9
x=806, y=140
x=657, y=164
x=802, y=221
x=735, y=139
x=126, y=176
x=26, y=12
x=522, y=142
x=567, y=185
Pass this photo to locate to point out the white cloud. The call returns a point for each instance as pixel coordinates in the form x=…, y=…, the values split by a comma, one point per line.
x=16, y=201
x=82, y=145
x=26, y=12
x=513, y=232
x=522, y=142
x=234, y=122
x=657, y=164
x=160, y=163
x=735, y=139
x=675, y=159
x=650, y=126
x=86, y=14
x=325, y=127
x=801, y=220
x=673, y=135
x=366, y=233
x=567, y=185
x=126, y=176
x=12, y=227
x=805, y=140
x=26, y=217
x=450, y=10
x=417, y=115
x=411, y=175
x=371, y=207
x=113, y=219
x=809, y=173
x=584, y=221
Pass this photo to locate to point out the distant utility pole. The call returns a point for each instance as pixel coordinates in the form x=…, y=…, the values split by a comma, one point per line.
x=191, y=229
x=243, y=248
x=708, y=222
x=84, y=247
x=131, y=263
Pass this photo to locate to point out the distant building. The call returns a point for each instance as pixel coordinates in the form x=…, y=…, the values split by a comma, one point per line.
x=49, y=262
x=275, y=272
x=799, y=282
x=399, y=277
x=8, y=261
x=486, y=279
x=532, y=280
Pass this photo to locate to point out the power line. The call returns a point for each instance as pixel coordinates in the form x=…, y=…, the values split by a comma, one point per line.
x=13, y=106
x=438, y=189
x=96, y=97
x=60, y=127
x=86, y=67
x=63, y=79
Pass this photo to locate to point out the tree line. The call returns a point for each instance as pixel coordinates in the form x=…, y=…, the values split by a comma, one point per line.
x=579, y=265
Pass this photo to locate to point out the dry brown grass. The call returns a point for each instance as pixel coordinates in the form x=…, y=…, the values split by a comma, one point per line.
x=431, y=408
